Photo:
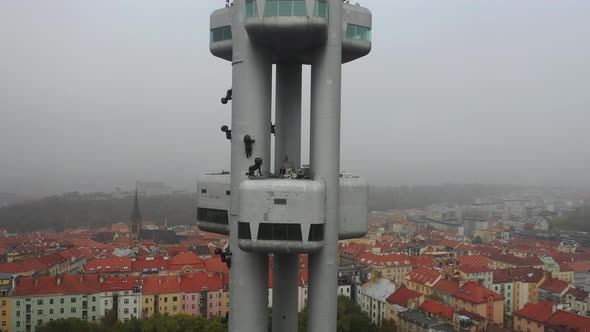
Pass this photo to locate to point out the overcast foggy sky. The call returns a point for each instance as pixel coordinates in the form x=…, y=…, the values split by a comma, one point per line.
x=96, y=94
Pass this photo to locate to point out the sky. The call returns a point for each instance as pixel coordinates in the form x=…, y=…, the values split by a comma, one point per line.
x=99, y=94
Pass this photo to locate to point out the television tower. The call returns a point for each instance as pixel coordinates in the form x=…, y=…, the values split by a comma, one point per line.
x=295, y=209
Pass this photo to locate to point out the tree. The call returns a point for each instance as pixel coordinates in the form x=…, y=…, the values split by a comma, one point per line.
x=388, y=325
x=477, y=239
x=350, y=318
x=160, y=323
x=69, y=325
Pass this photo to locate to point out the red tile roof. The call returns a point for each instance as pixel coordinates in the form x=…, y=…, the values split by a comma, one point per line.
x=424, y=276
x=526, y=274
x=26, y=266
x=52, y=260
x=565, y=267
x=402, y=295
x=436, y=308
x=538, y=312
x=578, y=294
x=474, y=269
x=112, y=264
x=69, y=284
x=446, y=286
x=554, y=285
x=195, y=282
x=567, y=321
x=151, y=264
x=215, y=264
x=186, y=259
x=421, y=261
x=161, y=284
x=111, y=284
x=472, y=260
x=77, y=253
x=473, y=292
x=580, y=267
x=517, y=261
x=383, y=260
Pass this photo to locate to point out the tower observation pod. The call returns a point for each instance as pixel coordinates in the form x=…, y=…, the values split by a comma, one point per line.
x=295, y=209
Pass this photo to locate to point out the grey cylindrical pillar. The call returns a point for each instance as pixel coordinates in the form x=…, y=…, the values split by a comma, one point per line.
x=251, y=115
x=325, y=164
x=287, y=154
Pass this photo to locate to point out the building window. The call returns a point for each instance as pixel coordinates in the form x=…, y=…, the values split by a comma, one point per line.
x=174, y=299
x=51, y=311
x=18, y=314
x=3, y=303
x=39, y=302
x=18, y=303
x=62, y=300
x=3, y=323
x=17, y=324
x=73, y=300
x=285, y=8
x=126, y=301
x=50, y=301
x=193, y=297
x=39, y=312
x=39, y=322
x=126, y=311
x=61, y=310
x=357, y=32
x=220, y=34
x=73, y=310
x=251, y=8
x=320, y=8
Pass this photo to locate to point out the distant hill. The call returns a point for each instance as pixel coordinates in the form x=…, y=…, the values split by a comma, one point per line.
x=405, y=197
x=575, y=221
x=73, y=209
x=100, y=209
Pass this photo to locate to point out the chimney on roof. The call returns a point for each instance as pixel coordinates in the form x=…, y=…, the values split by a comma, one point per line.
x=58, y=280
x=36, y=281
x=159, y=280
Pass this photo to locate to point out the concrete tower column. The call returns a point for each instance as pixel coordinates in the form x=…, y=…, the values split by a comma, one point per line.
x=251, y=115
x=287, y=154
x=325, y=165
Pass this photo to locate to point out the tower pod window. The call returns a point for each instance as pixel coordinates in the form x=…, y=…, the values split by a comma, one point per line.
x=316, y=232
x=280, y=232
x=222, y=33
x=320, y=8
x=357, y=32
x=285, y=8
x=244, y=231
x=212, y=215
x=251, y=8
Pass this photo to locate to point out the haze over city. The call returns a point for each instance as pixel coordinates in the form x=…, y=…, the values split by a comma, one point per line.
x=94, y=95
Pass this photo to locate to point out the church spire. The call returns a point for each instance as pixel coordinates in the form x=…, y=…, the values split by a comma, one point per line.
x=136, y=217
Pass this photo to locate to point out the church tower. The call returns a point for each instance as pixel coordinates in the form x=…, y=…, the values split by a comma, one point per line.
x=136, y=218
